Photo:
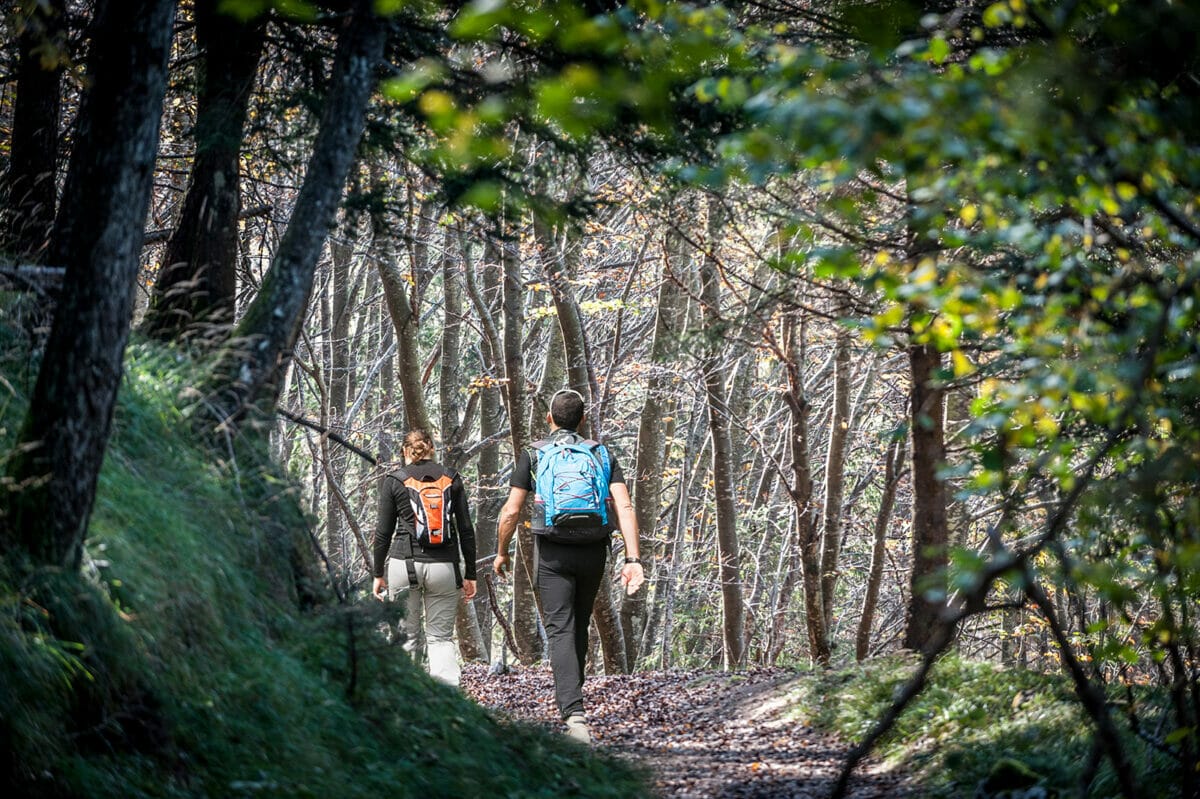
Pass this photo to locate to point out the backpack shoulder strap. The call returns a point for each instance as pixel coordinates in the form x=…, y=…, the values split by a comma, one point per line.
x=535, y=448
x=605, y=459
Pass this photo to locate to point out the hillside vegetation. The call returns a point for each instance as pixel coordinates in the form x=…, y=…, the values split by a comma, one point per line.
x=199, y=653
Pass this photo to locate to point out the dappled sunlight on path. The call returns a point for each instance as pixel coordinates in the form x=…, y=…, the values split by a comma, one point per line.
x=703, y=734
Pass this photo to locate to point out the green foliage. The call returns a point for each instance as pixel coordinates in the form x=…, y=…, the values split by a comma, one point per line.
x=179, y=665
x=975, y=724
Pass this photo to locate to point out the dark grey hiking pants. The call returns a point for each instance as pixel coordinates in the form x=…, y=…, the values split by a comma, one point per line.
x=568, y=577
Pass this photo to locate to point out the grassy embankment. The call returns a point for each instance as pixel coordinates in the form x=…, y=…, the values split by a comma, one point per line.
x=979, y=730
x=190, y=659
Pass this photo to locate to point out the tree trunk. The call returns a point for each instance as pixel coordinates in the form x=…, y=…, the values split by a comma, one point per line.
x=341, y=303
x=525, y=624
x=248, y=369
x=338, y=384
x=556, y=266
x=387, y=384
x=958, y=415
x=835, y=472
x=471, y=642
x=489, y=494
x=652, y=437
x=553, y=374
x=399, y=293
x=807, y=550
x=675, y=556
x=893, y=466
x=98, y=237
x=732, y=610
x=605, y=613
x=197, y=279
x=450, y=374
x=32, y=179
x=929, y=528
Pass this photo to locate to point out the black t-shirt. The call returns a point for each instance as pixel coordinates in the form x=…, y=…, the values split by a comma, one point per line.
x=522, y=475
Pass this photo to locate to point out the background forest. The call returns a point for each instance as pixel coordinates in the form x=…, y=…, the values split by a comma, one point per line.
x=887, y=309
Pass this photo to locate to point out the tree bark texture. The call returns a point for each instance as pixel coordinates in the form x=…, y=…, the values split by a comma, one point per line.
x=525, y=611
x=32, y=180
x=450, y=374
x=489, y=494
x=893, y=466
x=471, y=643
x=196, y=282
x=647, y=481
x=557, y=268
x=835, y=472
x=248, y=369
x=958, y=415
x=732, y=610
x=807, y=540
x=398, y=294
x=554, y=371
x=337, y=383
x=930, y=533
x=98, y=237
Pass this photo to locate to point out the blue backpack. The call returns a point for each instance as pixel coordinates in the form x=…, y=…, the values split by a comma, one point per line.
x=572, y=483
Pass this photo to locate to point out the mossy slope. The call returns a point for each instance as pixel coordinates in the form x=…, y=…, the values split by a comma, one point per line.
x=181, y=663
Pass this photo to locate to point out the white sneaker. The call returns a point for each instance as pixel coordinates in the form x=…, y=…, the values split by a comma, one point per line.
x=577, y=729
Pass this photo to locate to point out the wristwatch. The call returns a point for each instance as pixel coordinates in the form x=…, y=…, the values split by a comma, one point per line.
x=633, y=560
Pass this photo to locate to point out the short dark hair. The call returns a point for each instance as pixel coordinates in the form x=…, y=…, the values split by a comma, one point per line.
x=566, y=408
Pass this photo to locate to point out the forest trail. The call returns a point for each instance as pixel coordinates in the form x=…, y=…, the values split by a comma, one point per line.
x=701, y=733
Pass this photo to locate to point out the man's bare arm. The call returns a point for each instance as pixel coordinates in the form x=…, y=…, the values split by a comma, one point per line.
x=506, y=526
x=632, y=574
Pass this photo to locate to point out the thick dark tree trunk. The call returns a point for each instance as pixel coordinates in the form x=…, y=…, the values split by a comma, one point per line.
x=31, y=182
x=248, y=370
x=930, y=532
x=98, y=237
x=196, y=281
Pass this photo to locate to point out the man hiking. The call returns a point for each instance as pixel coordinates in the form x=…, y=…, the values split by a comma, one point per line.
x=575, y=483
x=432, y=550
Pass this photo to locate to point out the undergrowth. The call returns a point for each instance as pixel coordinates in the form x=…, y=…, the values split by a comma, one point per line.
x=196, y=655
x=977, y=730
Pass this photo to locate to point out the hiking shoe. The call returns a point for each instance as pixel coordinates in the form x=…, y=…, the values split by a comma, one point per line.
x=577, y=729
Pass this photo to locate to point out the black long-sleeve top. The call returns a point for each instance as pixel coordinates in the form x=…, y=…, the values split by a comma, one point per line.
x=397, y=522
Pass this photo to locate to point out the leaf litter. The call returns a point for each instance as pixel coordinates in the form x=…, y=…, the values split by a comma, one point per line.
x=701, y=733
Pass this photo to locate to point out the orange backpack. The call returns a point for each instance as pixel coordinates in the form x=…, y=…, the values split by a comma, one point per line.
x=431, y=506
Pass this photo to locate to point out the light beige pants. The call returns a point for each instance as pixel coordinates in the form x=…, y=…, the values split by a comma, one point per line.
x=435, y=597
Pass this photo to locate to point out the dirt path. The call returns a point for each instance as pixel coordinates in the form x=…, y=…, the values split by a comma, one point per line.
x=703, y=734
